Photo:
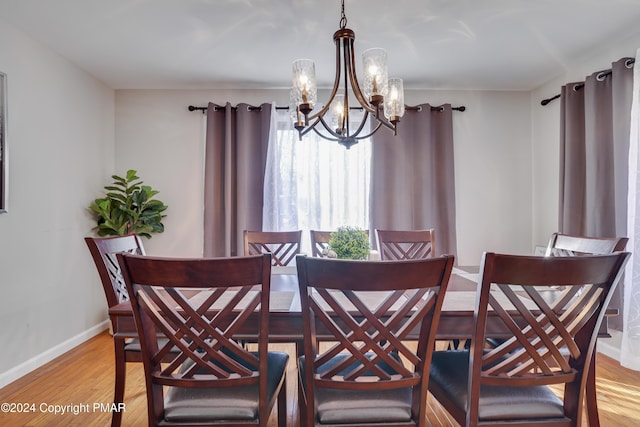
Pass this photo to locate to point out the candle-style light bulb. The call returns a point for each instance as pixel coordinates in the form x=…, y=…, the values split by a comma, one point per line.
x=375, y=75
x=394, y=94
x=338, y=115
x=373, y=71
x=394, y=103
x=304, y=85
x=338, y=110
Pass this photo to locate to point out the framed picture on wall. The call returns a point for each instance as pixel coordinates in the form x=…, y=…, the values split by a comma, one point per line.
x=3, y=142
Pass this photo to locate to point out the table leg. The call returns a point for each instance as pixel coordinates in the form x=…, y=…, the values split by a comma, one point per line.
x=119, y=381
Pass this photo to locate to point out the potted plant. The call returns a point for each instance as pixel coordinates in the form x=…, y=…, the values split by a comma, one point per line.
x=349, y=243
x=128, y=208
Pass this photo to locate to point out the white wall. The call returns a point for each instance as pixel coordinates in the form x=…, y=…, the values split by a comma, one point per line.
x=60, y=149
x=159, y=137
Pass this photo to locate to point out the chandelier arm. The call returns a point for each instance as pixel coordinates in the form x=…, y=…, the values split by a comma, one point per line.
x=334, y=136
x=308, y=127
x=328, y=128
x=370, y=133
x=354, y=81
x=323, y=136
x=362, y=123
x=338, y=139
x=386, y=124
x=383, y=121
x=336, y=84
x=313, y=127
x=355, y=134
x=345, y=52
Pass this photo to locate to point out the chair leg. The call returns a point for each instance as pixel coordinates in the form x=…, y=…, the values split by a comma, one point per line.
x=121, y=371
x=302, y=409
x=305, y=409
x=282, y=404
x=591, y=398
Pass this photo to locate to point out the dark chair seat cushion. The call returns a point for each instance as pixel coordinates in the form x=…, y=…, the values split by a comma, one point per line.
x=449, y=372
x=338, y=406
x=134, y=345
x=223, y=403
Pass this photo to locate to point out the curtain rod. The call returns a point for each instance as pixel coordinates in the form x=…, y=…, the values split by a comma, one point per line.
x=251, y=107
x=601, y=75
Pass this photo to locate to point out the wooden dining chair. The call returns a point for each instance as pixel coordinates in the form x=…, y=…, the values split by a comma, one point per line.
x=406, y=244
x=283, y=245
x=103, y=251
x=319, y=242
x=509, y=384
x=573, y=245
x=199, y=305
x=369, y=375
x=568, y=245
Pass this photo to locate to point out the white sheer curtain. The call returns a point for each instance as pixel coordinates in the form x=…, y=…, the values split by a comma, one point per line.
x=313, y=184
x=630, y=350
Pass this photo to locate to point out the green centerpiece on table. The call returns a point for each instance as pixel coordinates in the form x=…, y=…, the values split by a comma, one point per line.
x=128, y=207
x=350, y=243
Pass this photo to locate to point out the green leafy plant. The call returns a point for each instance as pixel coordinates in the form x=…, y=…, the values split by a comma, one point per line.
x=128, y=207
x=350, y=243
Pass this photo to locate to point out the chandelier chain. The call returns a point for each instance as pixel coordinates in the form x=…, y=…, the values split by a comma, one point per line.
x=343, y=18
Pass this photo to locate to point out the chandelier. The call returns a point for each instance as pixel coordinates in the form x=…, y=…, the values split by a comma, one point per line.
x=378, y=93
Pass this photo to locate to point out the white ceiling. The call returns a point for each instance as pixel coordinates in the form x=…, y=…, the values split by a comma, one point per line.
x=209, y=44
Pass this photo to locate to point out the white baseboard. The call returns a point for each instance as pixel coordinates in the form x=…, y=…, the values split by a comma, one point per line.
x=35, y=362
x=611, y=346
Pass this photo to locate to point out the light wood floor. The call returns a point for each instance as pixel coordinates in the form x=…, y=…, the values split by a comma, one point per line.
x=84, y=377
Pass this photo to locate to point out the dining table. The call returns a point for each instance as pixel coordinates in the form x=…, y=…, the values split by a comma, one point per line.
x=285, y=319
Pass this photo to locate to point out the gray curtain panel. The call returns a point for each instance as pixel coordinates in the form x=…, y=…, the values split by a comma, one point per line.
x=594, y=153
x=412, y=183
x=235, y=158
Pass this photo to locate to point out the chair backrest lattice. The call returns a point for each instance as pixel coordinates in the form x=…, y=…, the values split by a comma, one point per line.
x=378, y=331
x=282, y=245
x=367, y=308
x=406, y=244
x=568, y=245
x=549, y=305
x=104, y=251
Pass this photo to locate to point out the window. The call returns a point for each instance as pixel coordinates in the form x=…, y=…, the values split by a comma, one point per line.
x=314, y=183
